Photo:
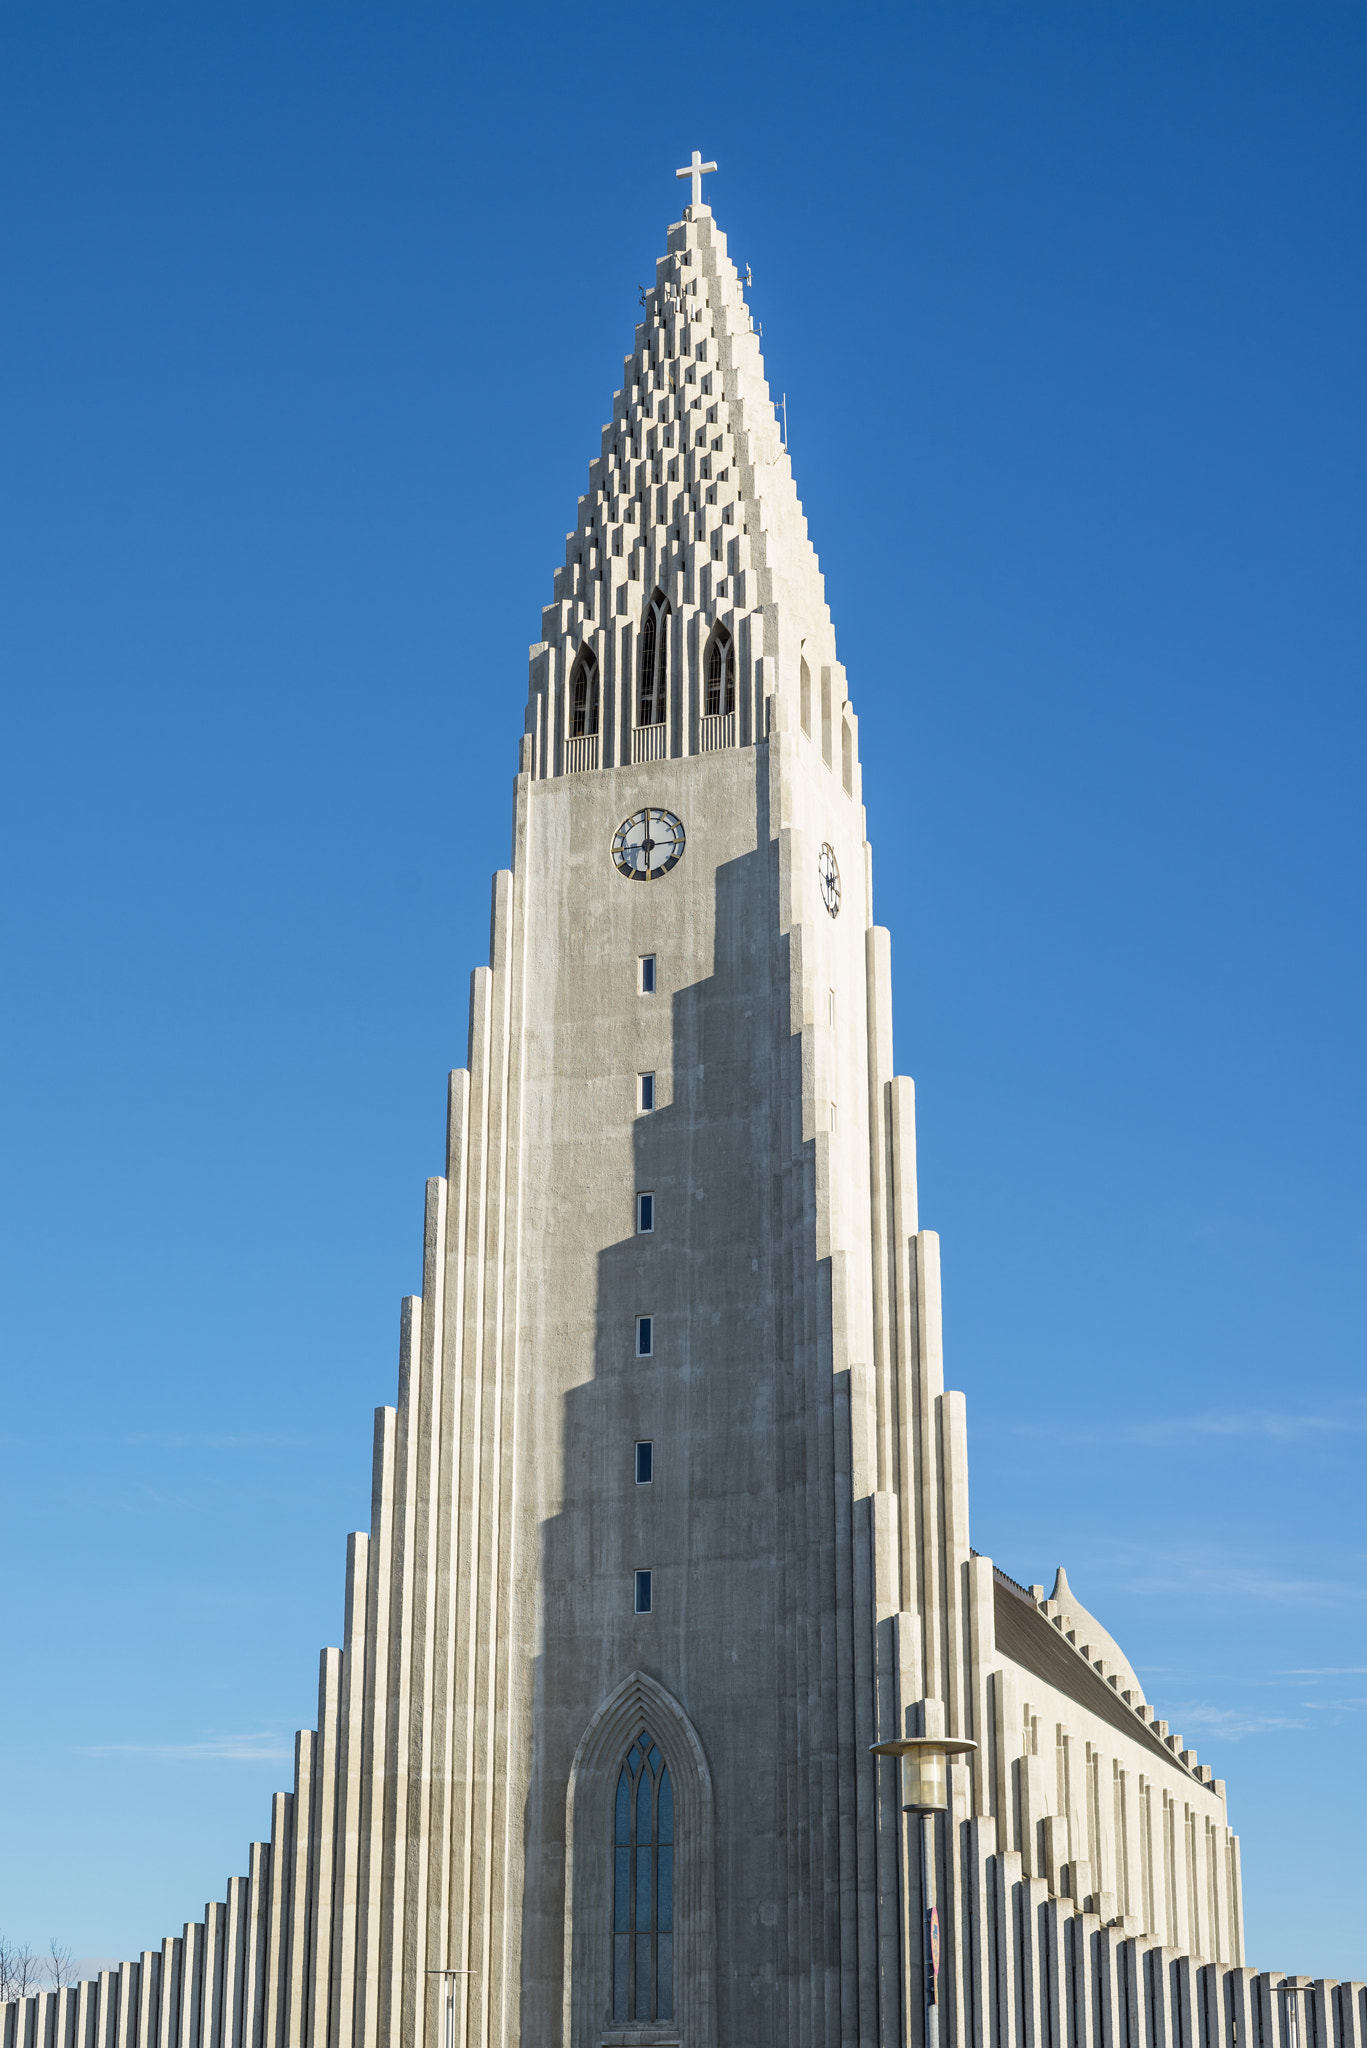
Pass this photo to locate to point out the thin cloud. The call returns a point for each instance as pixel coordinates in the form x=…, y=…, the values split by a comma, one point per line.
x=232, y=1749
x=1261, y=1423
x=1231, y=1722
x=160, y=1441
x=1326, y=1671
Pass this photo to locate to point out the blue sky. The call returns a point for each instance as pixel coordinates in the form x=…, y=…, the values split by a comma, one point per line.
x=312, y=317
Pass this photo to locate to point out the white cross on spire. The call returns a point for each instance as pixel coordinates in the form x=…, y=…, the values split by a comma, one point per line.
x=697, y=171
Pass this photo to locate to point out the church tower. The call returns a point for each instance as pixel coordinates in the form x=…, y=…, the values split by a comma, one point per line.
x=670, y=1521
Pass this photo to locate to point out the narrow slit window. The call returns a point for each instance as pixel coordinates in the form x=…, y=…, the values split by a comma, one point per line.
x=645, y=1336
x=645, y=1463
x=831, y=1017
x=832, y=1116
x=647, y=1091
x=647, y=974
x=643, y=1593
x=645, y=1214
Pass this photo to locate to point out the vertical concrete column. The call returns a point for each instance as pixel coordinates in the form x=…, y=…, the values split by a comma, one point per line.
x=149, y=1997
x=350, y=1763
x=929, y=1385
x=127, y=2006
x=468, y=1485
x=1351, y=2008
x=951, y=1417
x=168, y=2004
x=1164, y=2008
x=322, y=1845
x=1111, y=1988
x=419, y=1596
x=1007, y=1878
x=300, y=1907
x=375, y=1820
x=1034, y=1897
x=276, y=1915
x=235, y=1976
x=85, y=2013
x=878, y=1012
x=254, y=1945
x=187, y=2033
x=107, y=2019
x=1135, y=1974
x=981, y=1650
x=444, y=1718
x=211, y=1998
x=1083, y=1929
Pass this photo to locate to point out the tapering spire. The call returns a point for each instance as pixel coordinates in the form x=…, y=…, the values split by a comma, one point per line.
x=692, y=507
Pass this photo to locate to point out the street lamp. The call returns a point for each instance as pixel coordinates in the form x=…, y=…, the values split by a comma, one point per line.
x=926, y=1761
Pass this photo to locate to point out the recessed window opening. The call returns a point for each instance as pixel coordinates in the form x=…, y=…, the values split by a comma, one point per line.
x=643, y=1884
x=806, y=706
x=643, y=1593
x=846, y=757
x=645, y=1336
x=645, y=1214
x=826, y=716
x=831, y=1012
x=584, y=696
x=832, y=1116
x=647, y=974
x=721, y=674
x=654, y=661
x=647, y=1091
x=645, y=1463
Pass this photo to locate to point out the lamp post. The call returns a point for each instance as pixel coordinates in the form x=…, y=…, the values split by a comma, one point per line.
x=449, y=1976
x=926, y=1761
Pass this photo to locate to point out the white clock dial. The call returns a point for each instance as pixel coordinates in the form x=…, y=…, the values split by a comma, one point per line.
x=647, y=845
x=830, y=879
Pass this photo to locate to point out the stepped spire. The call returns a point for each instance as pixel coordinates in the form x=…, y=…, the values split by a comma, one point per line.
x=690, y=534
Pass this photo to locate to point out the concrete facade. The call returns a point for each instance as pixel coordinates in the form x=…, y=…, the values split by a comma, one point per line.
x=774, y=1337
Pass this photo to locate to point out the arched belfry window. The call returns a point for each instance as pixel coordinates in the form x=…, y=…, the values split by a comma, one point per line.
x=584, y=696
x=721, y=674
x=643, y=1886
x=654, y=662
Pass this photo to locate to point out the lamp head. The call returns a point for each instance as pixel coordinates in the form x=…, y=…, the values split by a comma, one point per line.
x=925, y=1768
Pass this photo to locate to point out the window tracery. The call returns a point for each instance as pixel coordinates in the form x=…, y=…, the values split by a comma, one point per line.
x=643, y=1886
x=584, y=697
x=721, y=675
x=654, y=662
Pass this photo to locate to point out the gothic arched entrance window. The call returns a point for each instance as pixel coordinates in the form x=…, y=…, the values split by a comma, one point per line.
x=643, y=1886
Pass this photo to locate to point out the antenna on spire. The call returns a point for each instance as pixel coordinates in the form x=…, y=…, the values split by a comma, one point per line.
x=748, y=279
x=697, y=171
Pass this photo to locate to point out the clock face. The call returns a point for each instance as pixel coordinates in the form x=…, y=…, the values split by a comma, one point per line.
x=647, y=845
x=830, y=879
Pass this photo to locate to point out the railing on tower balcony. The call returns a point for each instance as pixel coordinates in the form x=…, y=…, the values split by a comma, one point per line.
x=581, y=752
x=716, y=729
x=649, y=742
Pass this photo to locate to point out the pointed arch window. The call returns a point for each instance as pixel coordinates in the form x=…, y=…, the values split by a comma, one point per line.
x=643, y=1886
x=584, y=696
x=654, y=662
x=721, y=674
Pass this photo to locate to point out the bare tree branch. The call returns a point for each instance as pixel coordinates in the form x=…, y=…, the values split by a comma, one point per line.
x=60, y=1967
